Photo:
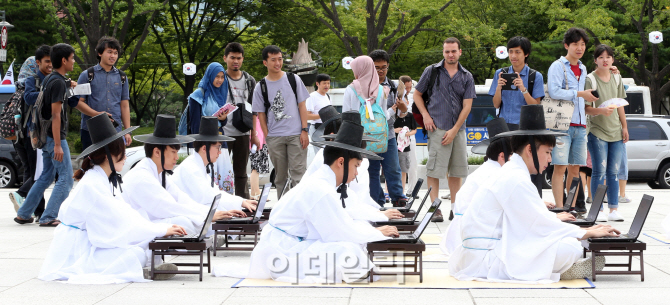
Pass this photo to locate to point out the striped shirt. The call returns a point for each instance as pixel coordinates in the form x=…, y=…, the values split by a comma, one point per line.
x=446, y=101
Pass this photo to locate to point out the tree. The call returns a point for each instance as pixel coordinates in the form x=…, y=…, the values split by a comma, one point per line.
x=32, y=28
x=343, y=19
x=83, y=23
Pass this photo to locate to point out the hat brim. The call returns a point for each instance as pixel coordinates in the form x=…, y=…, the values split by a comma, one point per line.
x=150, y=139
x=217, y=138
x=105, y=142
x=365, y=138
x=364, y=152
x=530, y=133
x=481, y=147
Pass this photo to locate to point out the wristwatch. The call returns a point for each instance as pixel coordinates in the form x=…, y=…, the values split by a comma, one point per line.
x=525, y=91
x=305, y=130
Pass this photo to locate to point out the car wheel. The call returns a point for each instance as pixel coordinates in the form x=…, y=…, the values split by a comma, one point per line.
x=546, y=178
x=653, y=184
x=664, y=177
x=7, y=175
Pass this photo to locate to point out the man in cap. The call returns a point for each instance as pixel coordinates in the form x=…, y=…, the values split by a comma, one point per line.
x=147, y=188
x=195, y=175
x=309, y=225
x=507, y=233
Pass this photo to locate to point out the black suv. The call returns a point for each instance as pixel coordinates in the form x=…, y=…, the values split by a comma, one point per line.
x=11, y=169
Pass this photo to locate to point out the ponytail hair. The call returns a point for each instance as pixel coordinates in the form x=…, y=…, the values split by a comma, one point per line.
x=116, y=148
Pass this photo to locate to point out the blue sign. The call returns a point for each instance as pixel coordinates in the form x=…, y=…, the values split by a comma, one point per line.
x=421, y=138
x=475, y=135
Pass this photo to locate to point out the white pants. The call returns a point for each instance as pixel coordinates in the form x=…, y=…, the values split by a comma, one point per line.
x=569, y=251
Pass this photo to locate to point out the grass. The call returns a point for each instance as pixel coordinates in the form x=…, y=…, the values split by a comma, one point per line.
x=424, y=161
x=475, y=160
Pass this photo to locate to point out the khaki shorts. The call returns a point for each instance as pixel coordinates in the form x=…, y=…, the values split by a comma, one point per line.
x=443, y=159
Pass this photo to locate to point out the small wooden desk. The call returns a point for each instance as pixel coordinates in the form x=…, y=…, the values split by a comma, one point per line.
x=236, y=229
x=629, y=249
x=171, y=247
x=408, y=249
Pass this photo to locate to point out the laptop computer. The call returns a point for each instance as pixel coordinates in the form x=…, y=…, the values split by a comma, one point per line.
x=635, y=227
x=568, y=200
x=412, y=197
x=259, y=209
x=286, y=187
x=405, y=220
x=199, y=236
x=414, y=237
x=598, y=199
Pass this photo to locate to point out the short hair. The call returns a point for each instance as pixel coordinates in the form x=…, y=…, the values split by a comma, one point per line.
x=602, y=48
x=198, y=144
x=496, y=147
x=42, y=51
x=519, y=41
x=453, y=40
x=380, y=55
x=149, y=148
x=107, y=42
x=58, y=52
x=271, y=49
x=233, y=47
x=520, y=142
x=332, y=127
x=405, y=79
x=331, y=154
x=322, y=77
x=574, y=35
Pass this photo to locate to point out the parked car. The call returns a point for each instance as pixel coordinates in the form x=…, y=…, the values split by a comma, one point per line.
x=11, y=169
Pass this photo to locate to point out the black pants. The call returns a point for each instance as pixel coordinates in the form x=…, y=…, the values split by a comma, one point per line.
x=240, y=150
x=28, y=157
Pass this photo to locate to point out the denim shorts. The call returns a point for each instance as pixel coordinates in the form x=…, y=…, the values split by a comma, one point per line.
x=573, y=149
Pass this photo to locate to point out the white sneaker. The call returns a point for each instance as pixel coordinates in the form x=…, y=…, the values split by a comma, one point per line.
x=602, y=217
x=615, y=216
x=447, y=196
x=624, y=199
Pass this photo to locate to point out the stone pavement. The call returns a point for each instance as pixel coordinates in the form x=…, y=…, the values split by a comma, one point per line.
x=23, y=247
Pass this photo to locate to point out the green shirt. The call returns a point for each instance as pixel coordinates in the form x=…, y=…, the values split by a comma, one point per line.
x=606, y=128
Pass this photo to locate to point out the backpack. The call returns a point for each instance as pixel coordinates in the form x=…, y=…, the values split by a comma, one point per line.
x=531, y=84
x=432, y=77
x=594, y=84
x=8, y=127
x=378, y=128
x=91, y=75
x=38, y=135
x=264, y=91
x=242, y=119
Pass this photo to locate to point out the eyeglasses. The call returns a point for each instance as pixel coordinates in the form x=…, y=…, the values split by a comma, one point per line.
x=218, y=147
x=381, y=69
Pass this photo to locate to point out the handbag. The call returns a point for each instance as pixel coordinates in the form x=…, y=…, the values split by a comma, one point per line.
x=558, y=113
x=242, y=119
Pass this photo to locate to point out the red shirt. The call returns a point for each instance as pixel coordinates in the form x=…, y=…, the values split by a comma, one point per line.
x=578, y=72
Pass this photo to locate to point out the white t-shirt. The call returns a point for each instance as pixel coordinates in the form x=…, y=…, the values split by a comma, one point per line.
x=315, y=102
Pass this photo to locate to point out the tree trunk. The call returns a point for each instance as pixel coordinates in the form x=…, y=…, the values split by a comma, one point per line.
x=188, y=88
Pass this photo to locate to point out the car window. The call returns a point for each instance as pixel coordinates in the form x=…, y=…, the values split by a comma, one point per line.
x=635, y=103
x=640, y=130
x=482, y=111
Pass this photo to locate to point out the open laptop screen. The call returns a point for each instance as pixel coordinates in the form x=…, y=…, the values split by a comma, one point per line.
x=426, y=219
x=417, y=187
x=571, y=193
x=210, y=216
x=597, y=201
x=264, y=198
x=421, y=205
x=640, y=216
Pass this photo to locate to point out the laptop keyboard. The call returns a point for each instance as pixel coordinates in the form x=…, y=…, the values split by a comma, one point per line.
x=184, y=236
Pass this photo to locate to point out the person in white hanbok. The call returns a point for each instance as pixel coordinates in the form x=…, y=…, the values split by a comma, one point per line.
x=101, y=239
x=310, y=238
x=150, y=192
x=195, y=175
x=507, y=233
x=359, y=203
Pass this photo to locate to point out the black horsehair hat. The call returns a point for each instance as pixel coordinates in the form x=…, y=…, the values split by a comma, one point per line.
x=209, y=131
x=102, y=133
x=494, y=127
x=328, y=115
x=531, y=123
x=350, y=137
x=351, y=116
x=165, y=133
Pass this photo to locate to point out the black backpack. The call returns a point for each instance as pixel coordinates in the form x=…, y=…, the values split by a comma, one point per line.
x=432, y=76
x=242, y=119
x=8, y=127
x=531, y=83
x=264, y=91
x=91, y=75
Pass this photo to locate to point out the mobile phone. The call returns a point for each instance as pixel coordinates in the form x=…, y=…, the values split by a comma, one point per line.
x=509, y=77
x=114, y=122
x=595, y=93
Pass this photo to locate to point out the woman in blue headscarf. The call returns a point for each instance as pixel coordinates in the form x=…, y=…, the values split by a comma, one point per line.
x=211, y=95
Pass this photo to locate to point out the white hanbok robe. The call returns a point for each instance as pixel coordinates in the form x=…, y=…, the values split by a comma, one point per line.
x=452, y=237
x=309, y=227
x=359, y=204
x=191, y=177
x=143, y=190
x=101, y=240
x=508, y=234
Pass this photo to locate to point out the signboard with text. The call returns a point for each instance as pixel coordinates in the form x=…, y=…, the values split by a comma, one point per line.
x=475, y=135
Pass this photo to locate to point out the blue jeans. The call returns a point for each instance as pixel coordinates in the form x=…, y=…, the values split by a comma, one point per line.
x=391, y=167
x=623, y=169
x=606, y=160
x=60, y=191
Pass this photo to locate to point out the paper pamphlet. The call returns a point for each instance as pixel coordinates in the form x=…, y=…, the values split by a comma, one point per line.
x=82, y=89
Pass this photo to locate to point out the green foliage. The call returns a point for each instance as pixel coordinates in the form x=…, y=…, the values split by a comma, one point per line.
x=475, y=160
x=424, y=161
x=32, y=28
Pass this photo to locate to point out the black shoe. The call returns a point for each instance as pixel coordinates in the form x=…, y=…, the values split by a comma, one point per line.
x=400, y=203
x=580, y=207
x=451, y=215
x=437, y=217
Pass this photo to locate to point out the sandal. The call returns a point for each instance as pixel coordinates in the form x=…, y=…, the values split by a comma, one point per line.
x=22, y=221
x=53, y=223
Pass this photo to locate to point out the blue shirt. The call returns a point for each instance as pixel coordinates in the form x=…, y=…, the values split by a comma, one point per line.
x=31, y=93
x=106, y=93
x=512, y=100
x=556, y=84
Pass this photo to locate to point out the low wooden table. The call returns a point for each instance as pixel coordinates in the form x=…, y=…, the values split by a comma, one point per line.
x=629, y=249
x=171, y=247
x=264, y=216
x=408, y=249
x=236, y=229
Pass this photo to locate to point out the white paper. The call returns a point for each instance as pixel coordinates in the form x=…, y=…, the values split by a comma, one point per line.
x=82, y=89
x=368, y=106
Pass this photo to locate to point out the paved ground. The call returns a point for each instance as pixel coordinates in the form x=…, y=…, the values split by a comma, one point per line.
x=22, y=250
